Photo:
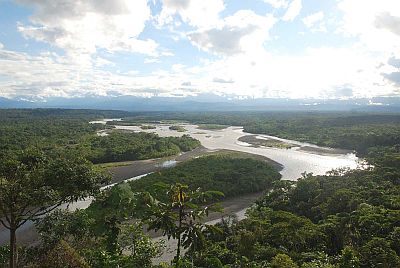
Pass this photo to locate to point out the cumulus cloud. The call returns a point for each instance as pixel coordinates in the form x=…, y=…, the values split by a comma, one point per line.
x=315, y=22
x=204, y=13
x=225, y=40
x=394, y=62
x=293, y=11
x=51, y=75
x=221, y=80
x=387, y=21
x=374, y=23
x=83, y=26
x=240, y=32
x=393, y=77
x=1, y=46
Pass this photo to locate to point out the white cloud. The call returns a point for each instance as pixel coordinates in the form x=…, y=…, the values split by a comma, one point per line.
x=83, y=26
x=387, y=21
x=320, y=73
x=204, y=13
x=324, y=72
x=375, y=23
x=277, y=3
x=315, y=22
x=243, y=31
x=366, y=67
x=293, y=11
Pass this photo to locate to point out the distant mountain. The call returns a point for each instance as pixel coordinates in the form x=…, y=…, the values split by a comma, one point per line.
x=208, y=102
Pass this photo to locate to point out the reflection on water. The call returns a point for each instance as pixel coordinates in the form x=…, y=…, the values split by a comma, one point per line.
x=167, y=164
x=294, y=161
x=104, y=121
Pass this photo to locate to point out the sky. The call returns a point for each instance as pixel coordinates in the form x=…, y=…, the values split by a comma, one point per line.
x=332, y=49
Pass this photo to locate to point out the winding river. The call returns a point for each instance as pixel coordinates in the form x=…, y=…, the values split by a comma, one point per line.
x=295, y=160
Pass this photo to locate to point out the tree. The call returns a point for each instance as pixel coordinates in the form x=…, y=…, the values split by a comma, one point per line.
x=109, y=210
x=142, y=249
x=377, y=253
x=179, y=217
x=348, y=259
x=32, y=185
x=283, y=261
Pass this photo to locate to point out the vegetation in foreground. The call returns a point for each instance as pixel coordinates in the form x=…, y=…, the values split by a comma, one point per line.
x=32, y=185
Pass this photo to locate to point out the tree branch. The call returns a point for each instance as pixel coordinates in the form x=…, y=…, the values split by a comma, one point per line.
x=4, y=224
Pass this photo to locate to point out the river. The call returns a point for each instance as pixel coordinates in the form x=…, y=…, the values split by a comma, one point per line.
x=294, y=160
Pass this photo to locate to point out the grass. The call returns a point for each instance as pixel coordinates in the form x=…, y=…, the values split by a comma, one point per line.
x=178, y=128
x=147, y=127
x=211, y=126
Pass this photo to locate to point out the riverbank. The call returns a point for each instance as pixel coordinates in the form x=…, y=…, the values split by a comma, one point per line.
x=258, y=141
x=125, y=170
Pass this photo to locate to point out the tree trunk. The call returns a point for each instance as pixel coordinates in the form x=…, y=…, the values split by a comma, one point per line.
x=13, y=247
x=178, y=251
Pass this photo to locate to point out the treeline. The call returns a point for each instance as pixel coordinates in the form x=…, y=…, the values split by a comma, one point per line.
x=354, y=131
x=57, y=130
x=47, y=128
x=232, y=176
x=124, y=146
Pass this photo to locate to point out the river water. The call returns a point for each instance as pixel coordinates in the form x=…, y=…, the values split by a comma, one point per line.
x=294, y=160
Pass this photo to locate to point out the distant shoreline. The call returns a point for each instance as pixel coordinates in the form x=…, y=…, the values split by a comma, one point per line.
x=254, y=142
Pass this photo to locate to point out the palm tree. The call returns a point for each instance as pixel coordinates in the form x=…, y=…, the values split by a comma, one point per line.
x=180, y=216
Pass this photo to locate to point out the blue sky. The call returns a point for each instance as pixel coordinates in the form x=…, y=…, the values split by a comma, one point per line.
x=237, y=48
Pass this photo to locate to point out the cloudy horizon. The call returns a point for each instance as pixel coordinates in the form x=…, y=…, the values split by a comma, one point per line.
x=336, y=49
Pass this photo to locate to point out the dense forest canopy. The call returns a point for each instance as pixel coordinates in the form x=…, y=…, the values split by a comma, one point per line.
x=57, y=130
x=229, y=174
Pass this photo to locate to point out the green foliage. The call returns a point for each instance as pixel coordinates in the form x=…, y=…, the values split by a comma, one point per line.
x=230, y=175
x=4, y=255
x=347, y=218
x=283, y=261
x=63, y=255
x=122, y=146
x=32, y=185
x=180, y=216
x=348, y=259
x=47, y=128
x=57, y=131
x=177, y=128
x=119, y=245
x=378, y=253
x=148, y=127
x=212, y=126
x=348, y=130
x=140, y=247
